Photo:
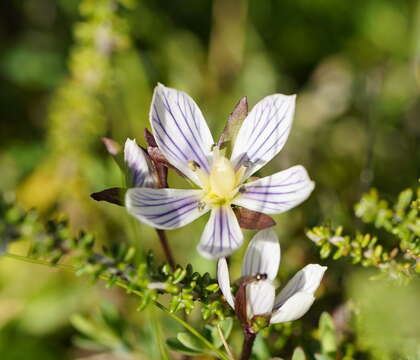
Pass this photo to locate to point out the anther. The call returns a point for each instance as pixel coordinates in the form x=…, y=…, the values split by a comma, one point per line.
x=201, y=205
x=193, y=165
x=247, y=163
x=261, y=277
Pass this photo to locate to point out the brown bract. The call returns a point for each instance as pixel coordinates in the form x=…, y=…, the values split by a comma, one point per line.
x=113, y=195
x=236, y=117
x=253, y=220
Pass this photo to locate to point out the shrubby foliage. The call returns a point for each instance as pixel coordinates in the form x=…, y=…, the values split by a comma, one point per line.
x=398, y=258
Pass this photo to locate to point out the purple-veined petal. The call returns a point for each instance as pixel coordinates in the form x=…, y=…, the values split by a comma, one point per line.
x=264, y=132
x=262, y=255
x=259, y=298
x=276, y=193
x=140, y=170
x=222, y=234
x=306, y=280
x=294, y=308
x=224, y=281
x=165, y=208
x=180, y=130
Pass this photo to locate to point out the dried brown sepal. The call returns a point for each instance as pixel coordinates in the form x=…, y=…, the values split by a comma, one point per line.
x=240, y=304
x=234, y=123
x=113, y=195
x=160, y=160
x=240, y=300
x=253, y=220
x=150, y=139
x=111, y=146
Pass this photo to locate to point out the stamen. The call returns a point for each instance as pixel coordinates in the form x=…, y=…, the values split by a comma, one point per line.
x=261, y=277
x=193, y=165
x=201, y=205
x=247, y=163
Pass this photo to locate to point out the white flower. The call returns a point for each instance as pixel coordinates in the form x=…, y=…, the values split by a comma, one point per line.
x=259, y=270
x=185, y=139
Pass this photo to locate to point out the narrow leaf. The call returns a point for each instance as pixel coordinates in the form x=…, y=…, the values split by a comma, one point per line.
x=234, y=122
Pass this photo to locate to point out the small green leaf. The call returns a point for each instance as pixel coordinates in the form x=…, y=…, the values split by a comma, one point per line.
x=298, y=354
x=175, y=345
x=226, y=327
x=327, y=334
x=190, y=342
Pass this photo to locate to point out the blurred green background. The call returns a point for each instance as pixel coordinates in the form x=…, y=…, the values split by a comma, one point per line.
x=73, y=71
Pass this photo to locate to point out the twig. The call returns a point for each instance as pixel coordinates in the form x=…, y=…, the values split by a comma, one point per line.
x=166, y=249
x=247, y=346
x=123, y=285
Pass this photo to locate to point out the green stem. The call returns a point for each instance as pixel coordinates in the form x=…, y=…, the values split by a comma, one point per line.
x=39, y=262
x=120, y=284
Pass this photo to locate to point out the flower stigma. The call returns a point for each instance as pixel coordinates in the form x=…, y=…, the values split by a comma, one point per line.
x=222, y=184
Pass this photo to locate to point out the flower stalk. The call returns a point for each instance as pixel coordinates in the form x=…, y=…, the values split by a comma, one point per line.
x=249, y=338
x=166, y=248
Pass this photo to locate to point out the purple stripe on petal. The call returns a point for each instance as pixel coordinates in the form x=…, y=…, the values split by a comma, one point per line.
x=276, y=123
x=164, y=208
x=277, y=193
x=264, y=132
x=180, y=130
x=222, y=234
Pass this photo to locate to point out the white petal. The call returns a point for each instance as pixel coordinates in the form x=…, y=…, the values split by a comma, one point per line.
x=306, y=281
x=224, y=282
x=222, y=234
x=180, y=130
x=140, y=169
x=262, y=255
x=164, y=208
x=259, y=298
x=294, y=308
x=264, y=132
x=276, y=193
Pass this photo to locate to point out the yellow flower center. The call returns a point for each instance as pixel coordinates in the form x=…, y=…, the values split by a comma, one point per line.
x=222, y=177
x=222, y=184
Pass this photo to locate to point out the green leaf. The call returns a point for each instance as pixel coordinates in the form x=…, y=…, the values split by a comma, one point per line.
x=327, y=334
x=175, y=345
x=190, y=342
x=323, y=357
x=226, y=327
x=298, y=354
x=260, y=349
x=404, y=200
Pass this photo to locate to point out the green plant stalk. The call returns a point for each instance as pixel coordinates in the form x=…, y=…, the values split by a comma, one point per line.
x=157, y=330
x=120, y=284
